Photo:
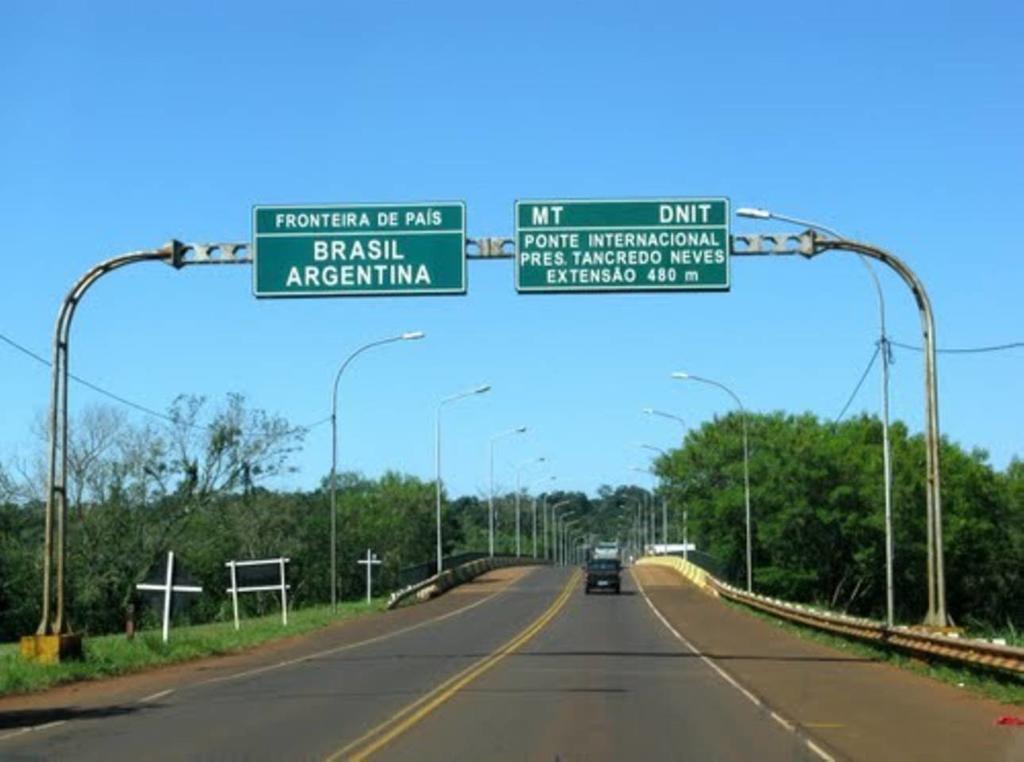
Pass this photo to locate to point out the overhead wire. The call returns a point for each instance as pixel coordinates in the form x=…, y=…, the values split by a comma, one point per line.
x=962, y=350
x=860, y=383
x=127, y=402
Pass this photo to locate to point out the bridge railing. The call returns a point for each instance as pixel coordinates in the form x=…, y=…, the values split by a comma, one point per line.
x=975, y=652
x=453, y=576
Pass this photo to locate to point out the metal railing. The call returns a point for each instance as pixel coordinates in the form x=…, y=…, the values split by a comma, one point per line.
x=974, y=652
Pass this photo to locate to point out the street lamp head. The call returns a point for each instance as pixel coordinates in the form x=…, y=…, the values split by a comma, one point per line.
x=680, y=375
x=521, y=430
x=753, y=212
x=649, y=410
x=482, y=389
x=412, y=335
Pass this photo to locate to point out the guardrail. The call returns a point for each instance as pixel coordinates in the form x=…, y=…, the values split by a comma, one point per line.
x=449, y=578
x=951, y=647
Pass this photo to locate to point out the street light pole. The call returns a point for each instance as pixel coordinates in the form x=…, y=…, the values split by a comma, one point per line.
x=552, y=544
x=549, y=478
x=490, y=496
x=519, y=489
x=664, y=500
x=746, y=464
x=652, y=531
x=670, y=416
x=566, y=526
x=437, y=452
x=407, y=336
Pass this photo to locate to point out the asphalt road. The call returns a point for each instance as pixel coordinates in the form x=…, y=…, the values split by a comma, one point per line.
x=588, y=677
x=606, y=680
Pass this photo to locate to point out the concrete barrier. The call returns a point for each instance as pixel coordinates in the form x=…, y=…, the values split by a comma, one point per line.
x=449, y=578
x=692, y=572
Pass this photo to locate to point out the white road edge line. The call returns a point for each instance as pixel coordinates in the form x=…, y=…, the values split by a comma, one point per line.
x=18, y=732
x=156, y=696
x=32, y=729
x=49, y=725
x=787, y=724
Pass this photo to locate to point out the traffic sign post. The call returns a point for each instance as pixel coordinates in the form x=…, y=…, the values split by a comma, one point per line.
x=672, y=244
x=359, y=250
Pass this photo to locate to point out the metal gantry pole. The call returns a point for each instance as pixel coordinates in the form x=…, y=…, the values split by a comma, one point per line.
x=883, y=347
x=937, y=614
x=810, y=244
x=175, y=253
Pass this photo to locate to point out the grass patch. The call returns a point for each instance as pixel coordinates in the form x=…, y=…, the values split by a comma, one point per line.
x=109, y=655
x=1000, y=686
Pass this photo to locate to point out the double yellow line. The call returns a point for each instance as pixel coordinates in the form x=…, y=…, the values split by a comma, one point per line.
x=383, y=734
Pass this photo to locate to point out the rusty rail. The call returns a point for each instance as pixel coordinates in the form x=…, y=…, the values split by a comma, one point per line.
x=951, y=647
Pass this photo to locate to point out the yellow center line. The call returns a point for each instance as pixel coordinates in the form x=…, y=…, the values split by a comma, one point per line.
x=381, y=735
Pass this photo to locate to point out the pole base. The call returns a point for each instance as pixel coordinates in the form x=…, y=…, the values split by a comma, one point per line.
x=51, y=649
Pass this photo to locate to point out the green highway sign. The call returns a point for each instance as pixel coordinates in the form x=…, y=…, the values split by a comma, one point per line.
x=672, y=244
x=359, y=249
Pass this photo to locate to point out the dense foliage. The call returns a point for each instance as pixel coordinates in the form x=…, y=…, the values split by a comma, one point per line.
x=199, y=486
x=818, y=515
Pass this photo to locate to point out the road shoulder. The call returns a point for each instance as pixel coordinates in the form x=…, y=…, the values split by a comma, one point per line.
x=50, y=705
x=860, y=708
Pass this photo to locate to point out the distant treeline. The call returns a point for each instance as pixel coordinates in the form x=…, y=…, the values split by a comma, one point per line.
x=198, y=487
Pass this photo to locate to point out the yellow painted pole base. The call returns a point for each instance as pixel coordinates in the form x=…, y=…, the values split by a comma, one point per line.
x=51, y=649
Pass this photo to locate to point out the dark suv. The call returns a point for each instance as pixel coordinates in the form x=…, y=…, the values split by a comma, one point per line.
x=603, y=574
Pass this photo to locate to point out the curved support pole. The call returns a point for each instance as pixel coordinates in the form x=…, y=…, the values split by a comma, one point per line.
x=937, y=615
x=56, y=495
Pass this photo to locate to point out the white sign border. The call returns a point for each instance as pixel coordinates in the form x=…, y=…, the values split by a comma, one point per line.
x=653, y=288
x=363, y=292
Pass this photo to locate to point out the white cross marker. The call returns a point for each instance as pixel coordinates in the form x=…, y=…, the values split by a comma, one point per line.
x=168, y=589
x=370, y=561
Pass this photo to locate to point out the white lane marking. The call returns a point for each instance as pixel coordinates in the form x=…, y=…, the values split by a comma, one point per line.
x=350, y=646
x=787, y=724
x=32, y=729
x=156, y=696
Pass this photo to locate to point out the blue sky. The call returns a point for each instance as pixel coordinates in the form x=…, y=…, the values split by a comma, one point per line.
x=124, y=125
